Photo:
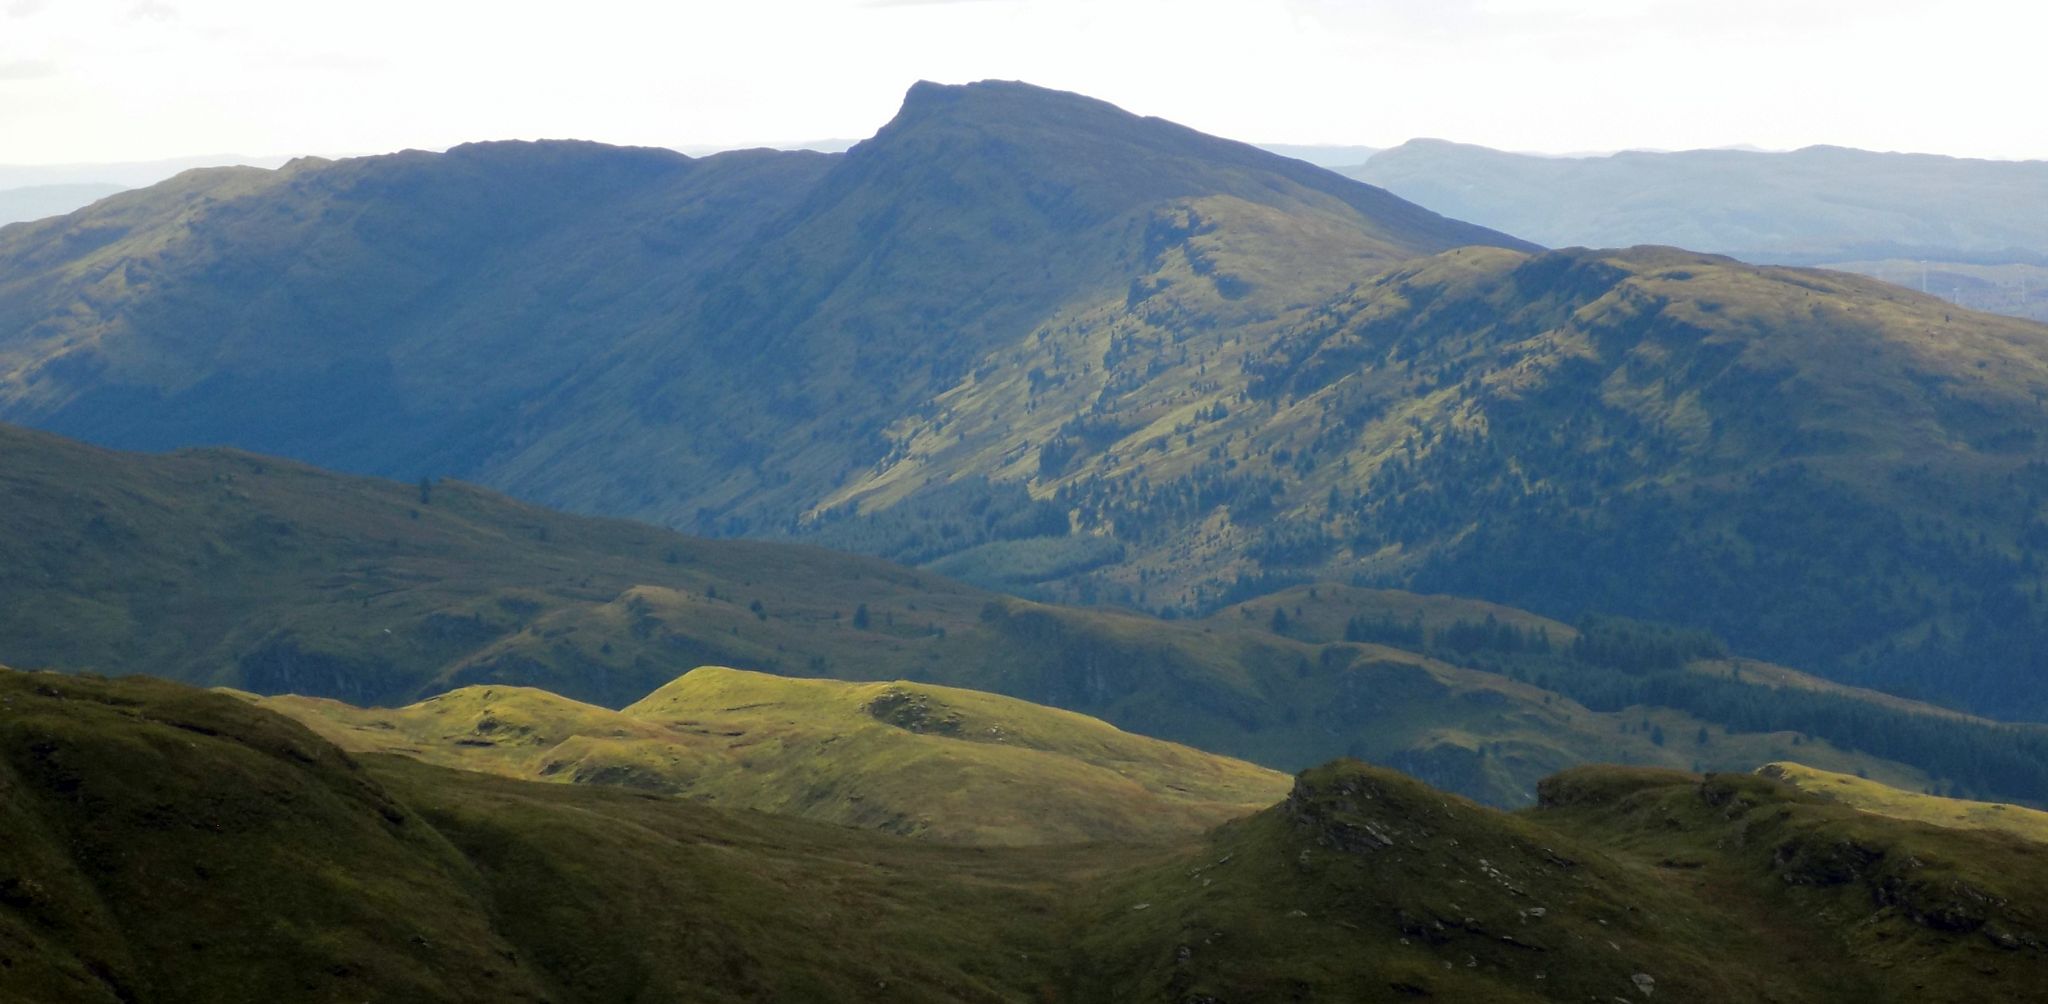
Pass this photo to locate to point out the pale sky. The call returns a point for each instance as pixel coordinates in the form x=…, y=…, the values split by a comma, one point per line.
x=117, y=80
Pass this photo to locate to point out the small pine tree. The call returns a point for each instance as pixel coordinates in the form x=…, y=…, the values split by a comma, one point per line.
x=860, y=617
x=1657, y=735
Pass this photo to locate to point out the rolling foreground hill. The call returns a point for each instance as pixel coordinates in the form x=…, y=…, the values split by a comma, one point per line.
x=173, y=844
x=937, y=762
x=223, y=568
x=1028, y=340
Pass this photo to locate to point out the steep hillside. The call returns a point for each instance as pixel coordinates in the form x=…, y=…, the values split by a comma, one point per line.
x=228, y=569
x=937, y=762
x=171, y=844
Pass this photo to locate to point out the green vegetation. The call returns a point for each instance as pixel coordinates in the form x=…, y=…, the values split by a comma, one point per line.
x=1082, y=356
x=226, y=569
x=1885, y=800
x=1611, y=664
x=167, y=843
x=935, y=762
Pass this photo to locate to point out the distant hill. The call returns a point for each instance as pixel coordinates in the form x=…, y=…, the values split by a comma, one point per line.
x=1977, y=224
x=1805, y=207
x=228, y=569
x=37, y=202
x=936, y=762
x=126, y=174
x=170, y=844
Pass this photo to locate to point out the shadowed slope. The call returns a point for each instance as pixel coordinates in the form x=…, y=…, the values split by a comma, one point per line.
x=556, y=318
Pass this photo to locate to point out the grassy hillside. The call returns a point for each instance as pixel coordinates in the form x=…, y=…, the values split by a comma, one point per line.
x=174, y=844
x=227, y=569
x=936, y=762
x=1828, y=472
x=1885, y=800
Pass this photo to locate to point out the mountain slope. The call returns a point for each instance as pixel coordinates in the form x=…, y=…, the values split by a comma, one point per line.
x=937, y=762
x=177, y=844
x=228, y=569
x=1779, y=456
x=558, y=319
x=337, y=309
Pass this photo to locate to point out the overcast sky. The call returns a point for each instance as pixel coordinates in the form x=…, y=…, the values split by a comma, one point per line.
x=109, y=80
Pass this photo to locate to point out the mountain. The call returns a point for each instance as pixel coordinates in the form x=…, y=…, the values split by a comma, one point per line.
x=937, y=762
x=560, y=319
x=35, y=202
x=229, y=569
x=1968, y=230
x=1025, y=339
x=167, y=843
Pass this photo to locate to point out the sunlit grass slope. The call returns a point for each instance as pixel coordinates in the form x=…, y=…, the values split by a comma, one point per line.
x=1886, y=800
x=916, y=759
